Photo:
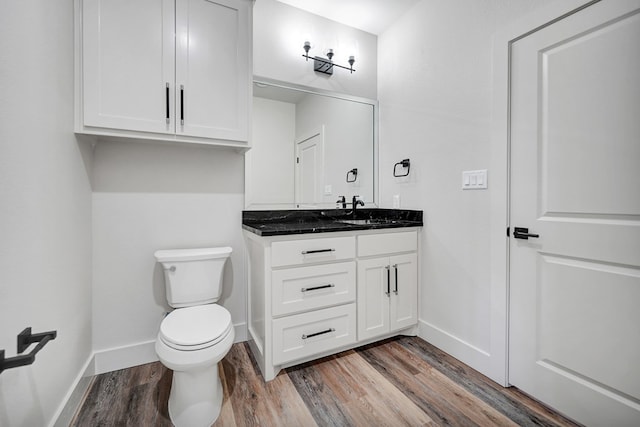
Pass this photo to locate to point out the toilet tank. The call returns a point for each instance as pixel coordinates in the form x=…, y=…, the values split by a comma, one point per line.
x=193, y=276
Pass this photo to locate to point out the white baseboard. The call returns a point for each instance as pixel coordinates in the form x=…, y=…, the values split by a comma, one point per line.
x=117, y=358
x=124, y=357
x=473, y=356
x=75, y=395
x=241, y=332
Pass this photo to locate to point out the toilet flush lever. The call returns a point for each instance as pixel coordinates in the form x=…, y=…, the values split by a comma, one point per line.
x=171, y=269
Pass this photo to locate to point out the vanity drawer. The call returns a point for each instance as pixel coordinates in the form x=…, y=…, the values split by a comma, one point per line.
x=381, y=244
x=307, y=334
x=307, y=251
x=299, y=289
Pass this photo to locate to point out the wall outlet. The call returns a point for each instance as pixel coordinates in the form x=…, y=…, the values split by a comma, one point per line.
x=328, y=190
x=474, y=180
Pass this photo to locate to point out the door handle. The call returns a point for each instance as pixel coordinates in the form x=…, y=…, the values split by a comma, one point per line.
x=523, y=233
x=395, y=267
x=388, y=293
x=182, y=104
x=166, y=97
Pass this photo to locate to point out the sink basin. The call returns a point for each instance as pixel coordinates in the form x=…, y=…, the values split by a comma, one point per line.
x=367, y=221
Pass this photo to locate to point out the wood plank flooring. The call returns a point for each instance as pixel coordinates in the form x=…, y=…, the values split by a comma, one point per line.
x=397, y=382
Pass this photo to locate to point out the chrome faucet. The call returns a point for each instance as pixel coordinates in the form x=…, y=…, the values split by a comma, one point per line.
x=355, y=201
x=343, y=201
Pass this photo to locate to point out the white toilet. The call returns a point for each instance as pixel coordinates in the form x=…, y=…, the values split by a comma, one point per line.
x=195, y=336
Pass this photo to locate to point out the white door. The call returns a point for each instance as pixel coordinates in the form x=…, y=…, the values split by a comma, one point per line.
x=403, y=311
x=212, y=66
x=128, y=64
x=309, y=169
x=374, y=291
x=574, y=328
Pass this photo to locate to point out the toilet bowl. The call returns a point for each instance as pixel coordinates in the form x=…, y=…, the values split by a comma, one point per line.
x=186, y=346
x=195, y=336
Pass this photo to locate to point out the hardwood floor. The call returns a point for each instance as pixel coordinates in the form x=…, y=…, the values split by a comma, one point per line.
x=398, y=382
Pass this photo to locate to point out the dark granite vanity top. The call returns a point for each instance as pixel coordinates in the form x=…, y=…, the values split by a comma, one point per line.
x=283, y=222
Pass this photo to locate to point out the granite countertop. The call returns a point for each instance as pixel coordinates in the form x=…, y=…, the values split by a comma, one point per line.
x=284, y=222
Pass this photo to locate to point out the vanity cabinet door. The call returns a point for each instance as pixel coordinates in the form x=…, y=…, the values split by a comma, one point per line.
x=128, y=64
x=403, y=310
x=387, y=294
x=373, y=299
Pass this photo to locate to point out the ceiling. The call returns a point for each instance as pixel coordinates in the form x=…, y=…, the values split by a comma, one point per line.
x=373, y=16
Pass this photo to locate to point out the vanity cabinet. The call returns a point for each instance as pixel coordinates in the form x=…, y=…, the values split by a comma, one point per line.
x=387, y=283
x=311, y=295
x=176, y=70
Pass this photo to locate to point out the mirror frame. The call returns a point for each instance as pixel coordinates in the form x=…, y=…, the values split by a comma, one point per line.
x=248, y=205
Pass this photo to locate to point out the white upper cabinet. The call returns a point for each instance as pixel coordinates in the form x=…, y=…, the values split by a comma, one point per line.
x=177, y=70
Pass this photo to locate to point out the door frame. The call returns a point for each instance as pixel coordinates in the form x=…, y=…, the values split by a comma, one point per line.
x=319, y=131
x=498, y=368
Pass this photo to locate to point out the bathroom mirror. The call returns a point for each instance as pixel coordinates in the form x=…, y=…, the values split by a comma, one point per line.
x=310, y=148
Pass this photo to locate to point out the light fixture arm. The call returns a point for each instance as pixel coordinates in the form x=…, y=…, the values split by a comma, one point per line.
x=325, y=65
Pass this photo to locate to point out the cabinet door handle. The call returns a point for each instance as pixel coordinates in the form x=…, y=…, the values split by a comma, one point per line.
x=166, y=98
x=315, y=334
x=395, y=291
x=182, y=104
x=315, y=288
x=317, y=251
x=388, y=293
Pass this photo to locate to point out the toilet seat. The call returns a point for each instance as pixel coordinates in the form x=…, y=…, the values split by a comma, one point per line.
x=195, y=328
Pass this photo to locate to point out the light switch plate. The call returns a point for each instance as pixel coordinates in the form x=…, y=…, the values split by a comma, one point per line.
x=474, y=180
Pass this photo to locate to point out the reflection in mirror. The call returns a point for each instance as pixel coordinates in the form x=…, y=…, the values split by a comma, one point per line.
x=306, y=146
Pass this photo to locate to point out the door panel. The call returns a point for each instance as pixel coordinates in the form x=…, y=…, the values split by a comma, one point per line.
x=589, y=121
x=373, y=302
x=575, y=145
x=310, y=170
x=404, y=287
x=128, y=47
x=211, y=67
x=569, y=321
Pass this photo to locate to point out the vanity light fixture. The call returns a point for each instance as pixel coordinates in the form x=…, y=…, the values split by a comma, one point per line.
x=325, y=65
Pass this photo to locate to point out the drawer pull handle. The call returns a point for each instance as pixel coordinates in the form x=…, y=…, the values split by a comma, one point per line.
x=315, y=288
x=305, y=336
x=317, y=251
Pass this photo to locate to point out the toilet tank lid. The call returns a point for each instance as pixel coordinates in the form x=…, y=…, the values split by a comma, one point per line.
x=168, y=255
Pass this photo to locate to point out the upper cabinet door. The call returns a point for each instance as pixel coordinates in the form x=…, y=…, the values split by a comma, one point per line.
x=212, y=68
x=128, y=56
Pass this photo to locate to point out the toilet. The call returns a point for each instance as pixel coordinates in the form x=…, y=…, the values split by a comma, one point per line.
x=195, y=336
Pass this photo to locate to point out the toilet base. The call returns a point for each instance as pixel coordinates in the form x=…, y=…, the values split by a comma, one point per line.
x=196, y=397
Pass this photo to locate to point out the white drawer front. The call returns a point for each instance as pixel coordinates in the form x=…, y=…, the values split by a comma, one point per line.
x=302, y=335
x=380, y=244
x=308, y=251
x=299, y=289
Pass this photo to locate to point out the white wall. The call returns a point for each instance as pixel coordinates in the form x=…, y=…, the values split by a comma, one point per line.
x=435, y=88
x=270, y=162
x=45, y=211
x=150, y=196
x=279, y=32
